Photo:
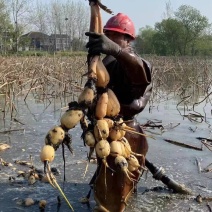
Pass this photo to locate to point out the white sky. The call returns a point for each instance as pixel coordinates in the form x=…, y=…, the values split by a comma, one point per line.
x=148, y=12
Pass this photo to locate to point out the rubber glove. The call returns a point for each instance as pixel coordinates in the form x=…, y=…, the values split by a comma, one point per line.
x=100, y=43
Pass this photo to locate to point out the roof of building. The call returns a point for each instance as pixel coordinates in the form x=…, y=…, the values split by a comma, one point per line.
x=59, y=36
x=34, y=34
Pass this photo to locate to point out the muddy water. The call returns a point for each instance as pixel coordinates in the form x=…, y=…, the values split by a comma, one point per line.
x=35, y=118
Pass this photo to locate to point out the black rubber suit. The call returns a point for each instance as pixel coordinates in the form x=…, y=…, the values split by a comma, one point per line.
x=130, y=79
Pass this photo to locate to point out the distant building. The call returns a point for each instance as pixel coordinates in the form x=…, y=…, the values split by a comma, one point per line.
x=42, y=41
x=35, y=41
x=60, y=42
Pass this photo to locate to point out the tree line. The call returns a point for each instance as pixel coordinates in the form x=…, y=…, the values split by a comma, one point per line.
x=184, y=32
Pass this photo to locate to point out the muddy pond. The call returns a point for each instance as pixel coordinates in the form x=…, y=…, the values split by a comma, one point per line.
x=35, y=118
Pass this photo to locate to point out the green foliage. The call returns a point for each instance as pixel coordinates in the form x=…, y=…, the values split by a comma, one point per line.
x=167, y=39
x=203, y=46
x=32, y=53
x=24, y=41
x=6, y=28
x=78, y=45
x=4, y=16
x=194, y=24
x=144, y=41
x=44, y=53
x=192, y=20
x=183, y=34
x=71, y=54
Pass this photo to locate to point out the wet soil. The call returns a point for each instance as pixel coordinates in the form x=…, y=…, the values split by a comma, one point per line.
x=180, y=163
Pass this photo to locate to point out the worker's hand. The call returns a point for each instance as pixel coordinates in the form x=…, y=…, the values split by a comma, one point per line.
x=99, y=43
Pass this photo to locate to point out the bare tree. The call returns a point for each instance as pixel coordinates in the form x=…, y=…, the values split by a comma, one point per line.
x=169, y=13
x=19, y=10
x=78, y=21
x=70, y=18
x=39, y=17
x=82, y=22
x=6, y=28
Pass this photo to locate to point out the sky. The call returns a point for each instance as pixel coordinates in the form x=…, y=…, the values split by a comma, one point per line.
x=148, y=12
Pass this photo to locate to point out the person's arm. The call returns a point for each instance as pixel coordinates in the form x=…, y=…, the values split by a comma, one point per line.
x=137, y=105
x=137, y=69
x=139, y=73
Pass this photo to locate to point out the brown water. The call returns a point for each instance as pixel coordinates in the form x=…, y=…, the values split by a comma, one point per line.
x=152, y=196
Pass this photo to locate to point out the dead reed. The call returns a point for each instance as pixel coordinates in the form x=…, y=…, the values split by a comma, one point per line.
x=45, y=78
x=187, y=79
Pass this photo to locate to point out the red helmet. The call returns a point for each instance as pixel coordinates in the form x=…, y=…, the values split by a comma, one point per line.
x=121, y=23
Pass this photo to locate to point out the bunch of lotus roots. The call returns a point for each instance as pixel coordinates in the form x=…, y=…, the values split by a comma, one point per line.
x=97, y=110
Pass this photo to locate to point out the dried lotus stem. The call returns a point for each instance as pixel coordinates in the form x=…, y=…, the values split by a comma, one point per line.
x=86, y=169
x=135, y=132
x=53, y=179
x=124, y=141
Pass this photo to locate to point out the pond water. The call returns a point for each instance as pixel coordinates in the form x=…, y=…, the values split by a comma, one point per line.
x=35, y=118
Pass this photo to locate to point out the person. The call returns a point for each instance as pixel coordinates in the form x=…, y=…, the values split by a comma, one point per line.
x=131, y=81
x=130, y=75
